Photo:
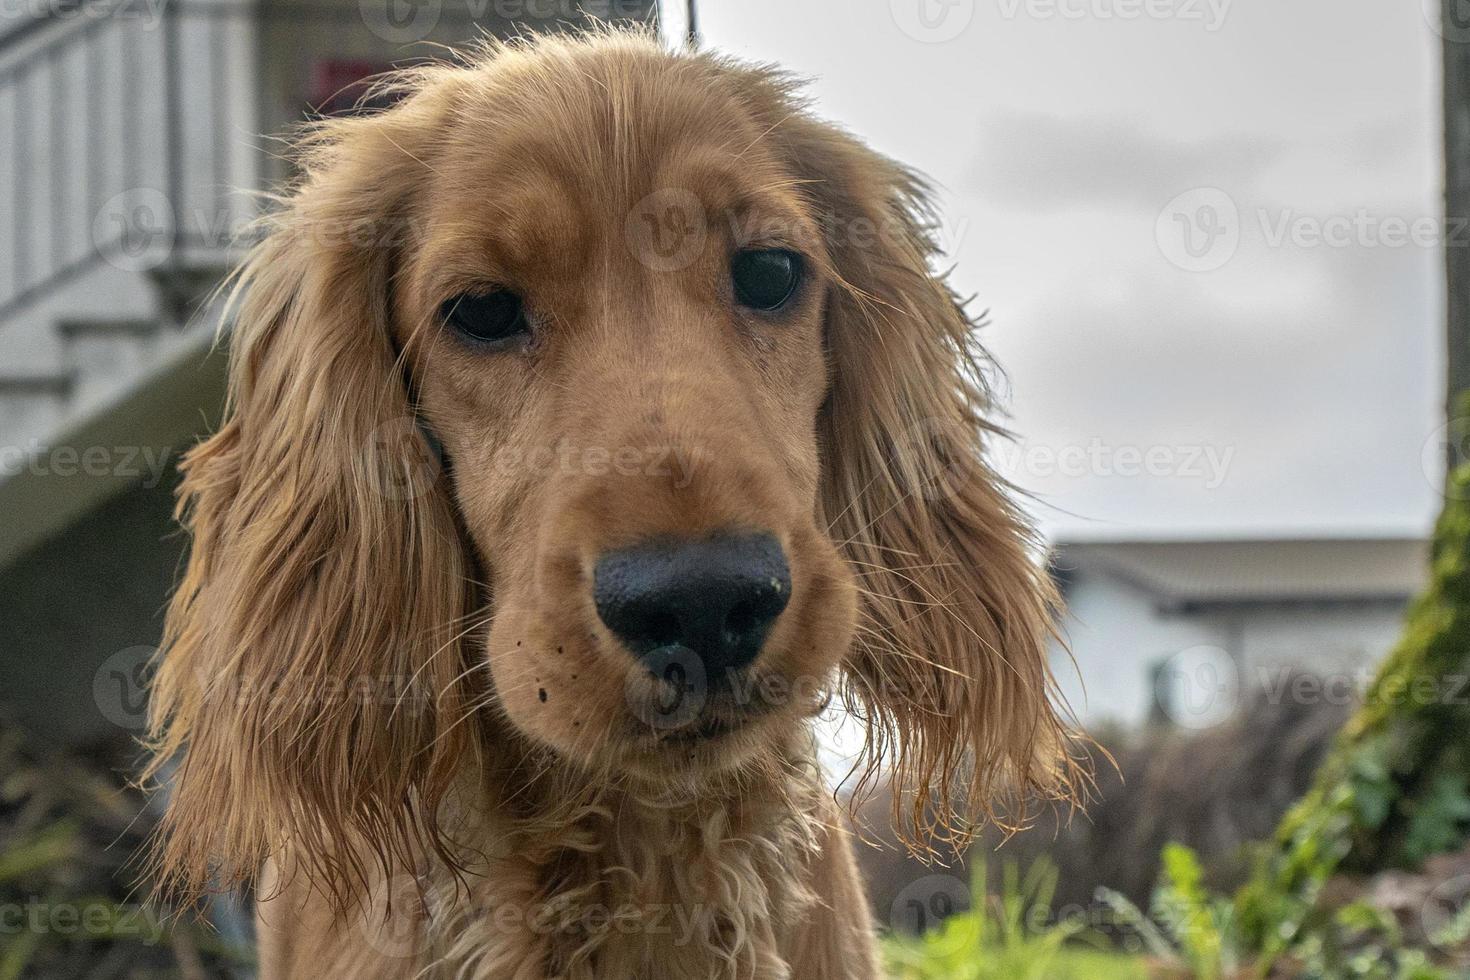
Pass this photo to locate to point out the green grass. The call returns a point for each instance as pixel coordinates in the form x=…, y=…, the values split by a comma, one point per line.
x=1016, y=964
x=1009, y=936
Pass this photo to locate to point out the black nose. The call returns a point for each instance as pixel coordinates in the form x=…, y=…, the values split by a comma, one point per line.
x=716, y=597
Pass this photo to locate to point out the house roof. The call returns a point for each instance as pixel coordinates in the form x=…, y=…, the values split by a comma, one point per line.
x=1255, y=571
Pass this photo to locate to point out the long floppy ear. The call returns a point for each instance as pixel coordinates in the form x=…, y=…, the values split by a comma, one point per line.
x=950, y=667
x=306, y=701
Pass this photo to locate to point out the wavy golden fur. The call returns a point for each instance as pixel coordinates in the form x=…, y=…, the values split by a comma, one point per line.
x=385, y=697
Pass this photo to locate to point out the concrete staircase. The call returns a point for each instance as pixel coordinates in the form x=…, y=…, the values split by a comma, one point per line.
x=97, y=357
x=122, y=218
x=103, y=404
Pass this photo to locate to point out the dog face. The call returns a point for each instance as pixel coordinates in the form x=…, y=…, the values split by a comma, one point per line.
x=712, y=449
x=614, y=324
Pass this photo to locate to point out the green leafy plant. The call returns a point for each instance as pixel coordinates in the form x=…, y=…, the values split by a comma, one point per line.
x=1361, y=942
x=1190, y=929
x=1192, y=932
x=1009, y=936
x=68, y=827
x=1199, y=922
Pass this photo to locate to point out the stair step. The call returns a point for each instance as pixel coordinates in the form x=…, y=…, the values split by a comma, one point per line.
x=104, y=353
x=82, y=329
x=38, y=384
x=186, y=285
x=32, y=403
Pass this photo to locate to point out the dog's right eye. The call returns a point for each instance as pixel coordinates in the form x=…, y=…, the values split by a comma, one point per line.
x=765, y=278
x=495, y=317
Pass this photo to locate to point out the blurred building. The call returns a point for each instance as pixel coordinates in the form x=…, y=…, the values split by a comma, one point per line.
x=132, y=145
x=1183, y=631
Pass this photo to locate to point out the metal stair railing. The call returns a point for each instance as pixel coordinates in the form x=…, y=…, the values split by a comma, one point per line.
x=129, y=139
x=135, y=124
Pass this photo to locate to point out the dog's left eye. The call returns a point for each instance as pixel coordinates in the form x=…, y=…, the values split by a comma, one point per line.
x=492, y=317
x=765, y=278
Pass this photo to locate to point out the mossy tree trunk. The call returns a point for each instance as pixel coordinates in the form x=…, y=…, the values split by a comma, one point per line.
x=1456, y=46
x=1396, y=787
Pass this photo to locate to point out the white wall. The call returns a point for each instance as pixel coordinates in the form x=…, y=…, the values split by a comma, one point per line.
x=1325, y=641
x=1117, y=635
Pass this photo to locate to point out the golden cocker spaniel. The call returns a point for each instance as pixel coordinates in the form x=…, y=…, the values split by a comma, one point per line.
x=595, y=417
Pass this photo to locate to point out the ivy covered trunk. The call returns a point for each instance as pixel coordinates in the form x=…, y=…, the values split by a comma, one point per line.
x=1396, y=787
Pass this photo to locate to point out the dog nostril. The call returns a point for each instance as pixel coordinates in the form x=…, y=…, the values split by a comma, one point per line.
x=717, y=597
x=660, y=629
x=742, y=620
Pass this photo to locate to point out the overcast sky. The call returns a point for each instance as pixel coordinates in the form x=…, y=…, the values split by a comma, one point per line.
x=1277, y=372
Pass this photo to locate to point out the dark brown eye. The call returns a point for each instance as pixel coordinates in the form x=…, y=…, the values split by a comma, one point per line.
x=765, y=278
x=495, y=317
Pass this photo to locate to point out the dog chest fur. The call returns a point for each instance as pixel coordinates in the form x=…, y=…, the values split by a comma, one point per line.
x=616, y=886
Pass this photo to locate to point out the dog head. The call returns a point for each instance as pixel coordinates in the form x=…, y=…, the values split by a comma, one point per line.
x=600, y=400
